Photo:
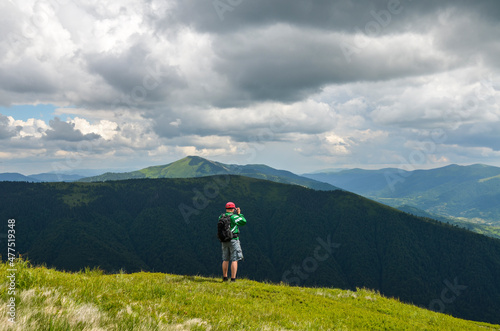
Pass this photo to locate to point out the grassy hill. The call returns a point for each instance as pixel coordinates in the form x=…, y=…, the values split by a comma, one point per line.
x=294, y=234
x=195, y=166
x=90, y=300
x=467, y=192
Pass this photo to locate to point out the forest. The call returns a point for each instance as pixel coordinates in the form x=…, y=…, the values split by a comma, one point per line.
x=294, y=234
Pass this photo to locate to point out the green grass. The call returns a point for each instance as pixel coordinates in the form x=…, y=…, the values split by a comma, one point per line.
x=184, y=168
x=90, y=300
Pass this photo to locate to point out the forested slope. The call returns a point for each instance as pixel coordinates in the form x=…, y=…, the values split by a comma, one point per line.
x=294, y=234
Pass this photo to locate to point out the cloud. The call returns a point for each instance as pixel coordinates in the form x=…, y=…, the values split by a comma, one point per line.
x=479, y=135
x=104, y=128
x=313, y=81
x=287, y=64
x=66, y=131
x=6, y=130
x=137, y=75
x=446, y=100
x=244, y=15
x=347, y=16
x=31, y=128
x=266, y=121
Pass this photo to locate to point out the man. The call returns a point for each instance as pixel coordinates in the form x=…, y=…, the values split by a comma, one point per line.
x=231, y=250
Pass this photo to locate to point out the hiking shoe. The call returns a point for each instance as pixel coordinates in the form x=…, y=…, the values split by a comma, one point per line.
x=233, y=280
x=224, y=279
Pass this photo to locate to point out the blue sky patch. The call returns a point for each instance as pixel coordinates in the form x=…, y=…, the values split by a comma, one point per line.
x=24, y=112
x=43, y=112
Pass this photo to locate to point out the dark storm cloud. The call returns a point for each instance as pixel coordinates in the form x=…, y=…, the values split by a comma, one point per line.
x=288, y=50
x=135, y=74
x=288, y=65
x=227, y=16
x=224, y=16
x=66, y=131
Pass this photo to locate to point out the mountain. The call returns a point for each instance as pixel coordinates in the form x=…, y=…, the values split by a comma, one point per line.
x=16, y=177
x=294, y=234
x=52, y=177
x=44, y=177
x=91, y=300
x=195, y=166
x=467, y=192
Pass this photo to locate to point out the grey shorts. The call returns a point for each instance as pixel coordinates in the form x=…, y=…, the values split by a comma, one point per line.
x=231, y=251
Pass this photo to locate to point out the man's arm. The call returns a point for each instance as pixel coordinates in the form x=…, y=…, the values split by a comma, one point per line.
x=239, y=219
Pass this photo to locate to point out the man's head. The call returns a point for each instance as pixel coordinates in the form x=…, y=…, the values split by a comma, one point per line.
x=230, y=206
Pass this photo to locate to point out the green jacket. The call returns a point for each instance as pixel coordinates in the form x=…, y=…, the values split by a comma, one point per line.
x=237, y=220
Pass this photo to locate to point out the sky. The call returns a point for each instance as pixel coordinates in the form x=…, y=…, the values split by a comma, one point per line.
x=298, y=85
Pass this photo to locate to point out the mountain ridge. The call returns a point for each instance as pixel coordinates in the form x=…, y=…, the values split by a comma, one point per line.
x=42, y=177
x=470, y=192
x=16, y=177
x=195, y=166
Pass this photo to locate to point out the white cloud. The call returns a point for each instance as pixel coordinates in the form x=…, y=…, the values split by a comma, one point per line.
x=104, y=128
x=30, y=128
x=447, y=100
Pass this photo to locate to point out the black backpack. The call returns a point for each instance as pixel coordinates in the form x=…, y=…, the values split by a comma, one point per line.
x=224, y=229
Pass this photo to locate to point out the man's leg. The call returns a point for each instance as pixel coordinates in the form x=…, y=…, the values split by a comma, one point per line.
x=225, y=266
x=236, y=255
x=226, y=256
x=234, y=269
